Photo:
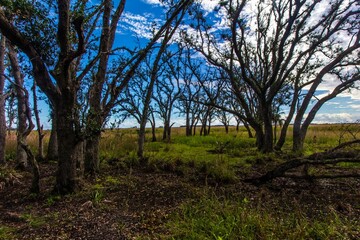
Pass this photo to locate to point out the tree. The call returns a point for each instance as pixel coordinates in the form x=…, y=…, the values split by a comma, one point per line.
x=167, y=92
x=114, y=84
x=156, y=70
x=2, y=101
x=190, y=90
x=40, y=131
x=62, y=92
x=61, y=77
x=276, y=45
x=22, y=104
x=52, y=151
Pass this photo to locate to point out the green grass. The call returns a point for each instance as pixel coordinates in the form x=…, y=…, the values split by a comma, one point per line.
x=34, y=221
x=213, y=218
x=6, y=233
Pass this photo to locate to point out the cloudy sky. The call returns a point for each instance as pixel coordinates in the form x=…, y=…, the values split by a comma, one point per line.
x=138, y=20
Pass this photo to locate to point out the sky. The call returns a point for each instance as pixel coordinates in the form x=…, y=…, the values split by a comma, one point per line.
x=135, y=26
x=344, y=108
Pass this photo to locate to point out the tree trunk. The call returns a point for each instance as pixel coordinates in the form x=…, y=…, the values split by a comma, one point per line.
x=166, y=125
x=268, y=145
x=2, y=129
x=52, y=153
x=298, y=139
x=248, y=129
x=280, y=143
x=187, y=123
x=2, y=102
x=21, y=156
x=91, y=158
x=226, y=128
x=94, y=124
x=41, y=135
x=153, y=127
x=141, y=141
x=153, y=132
x=69, y=148
x=275, y=129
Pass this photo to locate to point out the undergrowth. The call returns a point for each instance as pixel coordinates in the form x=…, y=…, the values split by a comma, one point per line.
x=214, y=218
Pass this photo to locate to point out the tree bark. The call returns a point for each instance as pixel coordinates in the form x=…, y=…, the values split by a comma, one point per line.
x=52, y=152
x=247, y=127
x=2, y=101
x=153, y=127
x=91, y=158
x=41, y=135
x=69, y=149
x=268, y=143
x=21, y=156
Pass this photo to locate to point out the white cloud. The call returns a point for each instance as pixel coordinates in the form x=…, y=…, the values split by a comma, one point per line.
x=141, y=25
x=153, y=2
x=209, y=5
x=336, y=117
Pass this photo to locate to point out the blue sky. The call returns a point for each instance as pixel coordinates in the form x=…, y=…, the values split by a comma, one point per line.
x=136, y=22
x=344, y=108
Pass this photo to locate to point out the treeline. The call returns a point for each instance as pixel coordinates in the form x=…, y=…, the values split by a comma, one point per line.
x=260, y=64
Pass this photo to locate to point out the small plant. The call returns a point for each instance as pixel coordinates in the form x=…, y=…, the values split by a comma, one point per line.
x=132, y=159
x=98, y=194
x=98, y=197
x=51, y=200
x=6, y=233
x=34, y=221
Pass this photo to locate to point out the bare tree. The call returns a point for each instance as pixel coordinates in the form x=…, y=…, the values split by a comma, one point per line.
x=190, y=90
x=278, y=44
x=167, y=92
x=113, y=85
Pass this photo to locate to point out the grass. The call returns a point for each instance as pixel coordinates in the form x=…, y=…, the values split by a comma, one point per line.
x=34, y=221
x=214, y=218
x=208, y=159
x=6, y=233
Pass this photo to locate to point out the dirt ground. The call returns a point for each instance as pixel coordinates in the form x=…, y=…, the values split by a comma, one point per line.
x=129, y=204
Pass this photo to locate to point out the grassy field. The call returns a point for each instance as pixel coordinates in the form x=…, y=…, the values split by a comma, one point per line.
x=191, y=188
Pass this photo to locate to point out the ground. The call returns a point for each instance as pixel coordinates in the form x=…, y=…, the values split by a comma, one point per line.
x=137, y=202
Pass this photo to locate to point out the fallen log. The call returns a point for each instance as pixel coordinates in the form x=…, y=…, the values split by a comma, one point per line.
x=281, y=169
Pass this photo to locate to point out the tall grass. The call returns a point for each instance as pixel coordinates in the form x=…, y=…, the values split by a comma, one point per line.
x=213, y=218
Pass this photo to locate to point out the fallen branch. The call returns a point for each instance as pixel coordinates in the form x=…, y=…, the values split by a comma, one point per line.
x=354, y=175
x=280, y=170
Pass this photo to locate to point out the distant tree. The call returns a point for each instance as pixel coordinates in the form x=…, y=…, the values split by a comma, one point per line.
x=167, y=92
x=276, y=44
x=225, y=118
x=106, y=88
x=152, y=121
x=187, y=104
